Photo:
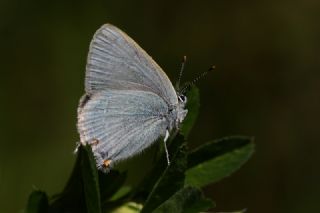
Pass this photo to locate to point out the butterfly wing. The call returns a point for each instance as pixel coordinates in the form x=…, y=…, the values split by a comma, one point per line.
x=115, y=61
x=120, y=123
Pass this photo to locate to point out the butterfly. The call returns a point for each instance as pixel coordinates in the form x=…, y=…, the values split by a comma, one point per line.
x=129, y=101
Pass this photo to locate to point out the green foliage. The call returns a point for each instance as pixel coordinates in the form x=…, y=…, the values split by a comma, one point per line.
x=188, y=199
x=169, y=182
x=37, y=202
x=165, y=188
x=217, y=159
x=193, y=105
x=90, y=180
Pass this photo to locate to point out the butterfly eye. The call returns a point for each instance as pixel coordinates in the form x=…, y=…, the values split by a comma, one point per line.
x=182, y=98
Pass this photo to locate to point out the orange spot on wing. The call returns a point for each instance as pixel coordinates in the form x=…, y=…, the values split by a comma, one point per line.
x=107, y=163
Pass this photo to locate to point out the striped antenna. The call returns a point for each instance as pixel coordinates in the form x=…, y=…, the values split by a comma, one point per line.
x=183, y=63
x=188, y=85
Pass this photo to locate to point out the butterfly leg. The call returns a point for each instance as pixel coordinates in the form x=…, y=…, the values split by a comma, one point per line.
x=165, y=146
x=167, y=136
x=78, y=144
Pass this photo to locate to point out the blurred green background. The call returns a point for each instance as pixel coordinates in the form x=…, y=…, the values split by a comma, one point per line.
x=266, y=85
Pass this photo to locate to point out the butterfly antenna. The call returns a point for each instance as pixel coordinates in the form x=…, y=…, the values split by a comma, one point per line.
x=185, y=88
x=183, y=63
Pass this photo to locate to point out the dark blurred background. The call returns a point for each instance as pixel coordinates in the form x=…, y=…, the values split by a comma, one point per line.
x=266, y=85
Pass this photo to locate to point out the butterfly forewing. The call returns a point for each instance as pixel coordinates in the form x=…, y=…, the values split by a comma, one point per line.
x=115, y=61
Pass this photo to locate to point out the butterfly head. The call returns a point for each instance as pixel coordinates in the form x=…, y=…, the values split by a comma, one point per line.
x=182, y=99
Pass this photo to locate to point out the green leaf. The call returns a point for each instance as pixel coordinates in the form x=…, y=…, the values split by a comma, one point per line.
x=121, y=192
x=218, y=159
x=90, y=180
x=37, y=202
x=72, y=198
x=129, y=207
x=81, y=193
x=186, y=200
x=110, y=184
x=143, y=190
x=171, y=181
x=193, y=105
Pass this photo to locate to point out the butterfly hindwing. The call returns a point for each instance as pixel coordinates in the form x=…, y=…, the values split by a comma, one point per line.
x=121, y=123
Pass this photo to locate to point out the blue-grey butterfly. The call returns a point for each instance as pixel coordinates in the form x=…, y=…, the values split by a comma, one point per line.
x=129, y=101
